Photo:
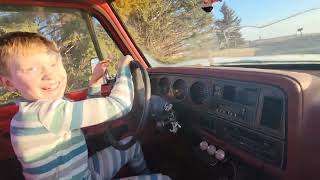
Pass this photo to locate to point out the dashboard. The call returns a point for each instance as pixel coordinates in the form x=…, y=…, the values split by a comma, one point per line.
x=251, y=113
x=247, y=115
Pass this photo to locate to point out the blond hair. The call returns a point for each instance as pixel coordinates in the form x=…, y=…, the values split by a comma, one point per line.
x=17, y=44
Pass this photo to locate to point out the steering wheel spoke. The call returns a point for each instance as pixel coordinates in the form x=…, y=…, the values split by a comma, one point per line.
x=145, y=107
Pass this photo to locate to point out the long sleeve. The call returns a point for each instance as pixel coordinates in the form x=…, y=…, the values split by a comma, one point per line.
x=61, y=115
x=94, y=91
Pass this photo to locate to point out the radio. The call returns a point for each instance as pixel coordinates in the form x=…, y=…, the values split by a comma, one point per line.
x=265, y=148
x=232, y=112
x=236, y=113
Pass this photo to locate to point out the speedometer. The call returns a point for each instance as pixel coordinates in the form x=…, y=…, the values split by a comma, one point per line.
x=199, y=92
x=179, y=89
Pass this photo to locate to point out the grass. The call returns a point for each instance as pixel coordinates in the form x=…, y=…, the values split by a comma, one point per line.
x=205, y=53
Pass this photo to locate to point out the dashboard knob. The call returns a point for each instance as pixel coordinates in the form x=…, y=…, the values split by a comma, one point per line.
x=211, y=150
x=220, y=154
x=204, y=145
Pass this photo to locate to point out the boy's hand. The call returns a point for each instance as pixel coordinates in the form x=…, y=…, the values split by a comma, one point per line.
x=125, y=60
x=98, y=73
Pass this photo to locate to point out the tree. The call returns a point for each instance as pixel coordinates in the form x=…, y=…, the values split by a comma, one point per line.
x=228, y=29
x=162, y=28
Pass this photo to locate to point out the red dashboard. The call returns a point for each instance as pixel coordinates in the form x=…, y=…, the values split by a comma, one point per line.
x=292, y=98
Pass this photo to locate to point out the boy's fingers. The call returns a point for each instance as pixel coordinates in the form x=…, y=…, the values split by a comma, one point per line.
x=104, y=64
x=105, y=61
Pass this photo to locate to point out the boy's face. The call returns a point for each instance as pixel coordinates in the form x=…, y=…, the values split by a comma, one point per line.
x=38, y=76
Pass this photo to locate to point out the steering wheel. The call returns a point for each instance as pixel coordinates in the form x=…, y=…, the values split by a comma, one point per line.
x=146, y=104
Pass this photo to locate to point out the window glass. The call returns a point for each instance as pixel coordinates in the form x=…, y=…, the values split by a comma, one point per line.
x=181, y=33
x=110, y=50
x=69, y=30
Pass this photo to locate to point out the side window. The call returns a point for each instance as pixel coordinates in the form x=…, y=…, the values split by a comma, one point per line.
x=110, y=50
x=68, y=28
x=7, y=97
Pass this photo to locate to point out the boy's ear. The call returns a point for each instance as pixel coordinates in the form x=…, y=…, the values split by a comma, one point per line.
x=7, y=83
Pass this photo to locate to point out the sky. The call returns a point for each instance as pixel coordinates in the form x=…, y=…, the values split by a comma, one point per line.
x=262, y=12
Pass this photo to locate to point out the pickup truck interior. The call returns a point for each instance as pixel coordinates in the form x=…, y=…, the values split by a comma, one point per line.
x=223, y=96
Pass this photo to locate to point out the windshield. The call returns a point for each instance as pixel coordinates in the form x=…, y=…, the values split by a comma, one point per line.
x=180, y=33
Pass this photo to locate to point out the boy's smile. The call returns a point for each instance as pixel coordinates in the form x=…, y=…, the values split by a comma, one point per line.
x=39, y=76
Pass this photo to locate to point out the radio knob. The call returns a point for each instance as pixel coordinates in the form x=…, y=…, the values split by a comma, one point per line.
x=220, y=154
x=204, y=145
x=211, y=150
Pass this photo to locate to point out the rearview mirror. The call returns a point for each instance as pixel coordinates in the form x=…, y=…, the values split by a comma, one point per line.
x=207, y=5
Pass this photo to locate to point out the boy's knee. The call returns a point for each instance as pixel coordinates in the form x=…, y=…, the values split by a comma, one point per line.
x=126, y=140
x=164, y=177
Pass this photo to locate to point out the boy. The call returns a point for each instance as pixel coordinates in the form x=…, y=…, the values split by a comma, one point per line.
x=45, y=133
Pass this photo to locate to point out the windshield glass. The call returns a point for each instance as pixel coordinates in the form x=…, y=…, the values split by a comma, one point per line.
x=180, y=33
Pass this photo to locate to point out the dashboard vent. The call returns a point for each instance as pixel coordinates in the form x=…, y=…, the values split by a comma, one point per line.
x=198, y=92
x=229, y=93
x=272, y=112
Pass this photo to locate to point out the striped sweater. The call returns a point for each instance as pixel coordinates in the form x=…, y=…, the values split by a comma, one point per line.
x=46, y=135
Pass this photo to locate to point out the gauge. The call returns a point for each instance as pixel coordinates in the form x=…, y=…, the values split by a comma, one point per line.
x=164, y=86
x=198, y=92
x=179, y=89
x=153, y=82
